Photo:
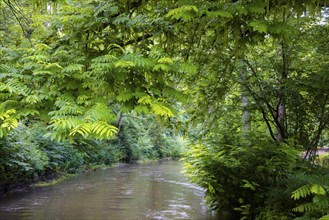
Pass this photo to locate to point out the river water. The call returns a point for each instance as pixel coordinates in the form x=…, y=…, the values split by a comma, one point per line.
x=148, y=191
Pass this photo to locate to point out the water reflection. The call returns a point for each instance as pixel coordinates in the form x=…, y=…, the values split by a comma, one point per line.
x=149, y=191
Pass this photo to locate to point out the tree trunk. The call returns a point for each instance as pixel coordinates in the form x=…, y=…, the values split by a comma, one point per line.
x=281, y=107
x=246, y=123
x=245, y=119
x=120, y=122
x=280, y=131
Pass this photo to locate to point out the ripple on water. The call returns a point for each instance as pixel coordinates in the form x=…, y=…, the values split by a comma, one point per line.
x=187, y=185
x=180, y=206
x=167, y=215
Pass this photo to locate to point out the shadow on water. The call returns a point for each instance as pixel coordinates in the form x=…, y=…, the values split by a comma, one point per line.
x=147, y=191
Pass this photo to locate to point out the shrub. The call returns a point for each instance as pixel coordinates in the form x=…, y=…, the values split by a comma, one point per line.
x=63, y=158
x=239, y=175
x=98, y=152
x=20, y=158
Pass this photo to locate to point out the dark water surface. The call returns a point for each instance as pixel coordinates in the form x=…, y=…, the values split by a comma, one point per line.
x=148, y=191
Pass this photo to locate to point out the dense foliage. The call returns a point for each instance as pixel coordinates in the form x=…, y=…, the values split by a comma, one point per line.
x=27, y=156
x=246, y=81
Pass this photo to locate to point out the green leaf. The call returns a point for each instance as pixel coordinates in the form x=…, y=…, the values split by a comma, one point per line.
x=301, y=192
x=188, y=68
x=73, y=68
x=250, y=185
x=256, y=7
x=318, y=190
x=32, y=99
x=83, y=129
x=42, y=72
x=219, y=13
x=41, y=47
x=325, y=217
x=145, y=100
x=165, y=60
x=260, y=26
x=305, y=207
x=163, y=67
x=161, y=110
x=103, y=130
x=123, y=63
x=124, y=96
x=142, y=109
x=9, y=123
x=180, y=11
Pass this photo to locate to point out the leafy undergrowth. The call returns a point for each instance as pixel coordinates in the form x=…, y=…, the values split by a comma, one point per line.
x=28, y=157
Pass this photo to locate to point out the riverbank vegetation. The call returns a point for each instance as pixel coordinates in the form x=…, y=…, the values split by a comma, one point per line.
x=28, y=157
x=245, y=81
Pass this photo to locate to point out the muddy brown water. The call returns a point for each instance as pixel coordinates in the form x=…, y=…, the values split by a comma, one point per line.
x=148, y=191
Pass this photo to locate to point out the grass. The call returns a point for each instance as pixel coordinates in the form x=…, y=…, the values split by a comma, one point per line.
x=54, y=181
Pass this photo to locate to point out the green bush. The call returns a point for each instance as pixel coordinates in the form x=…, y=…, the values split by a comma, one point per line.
x=63, y=158
x=20, y=158
x=98, y=152
x=239, y=175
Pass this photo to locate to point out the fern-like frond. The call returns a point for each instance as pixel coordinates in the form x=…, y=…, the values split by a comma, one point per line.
x=139, y=61
x=182, y=12
x=41, y=47
x=9, y=123
x=321, y=201
x=307, y=207
x=161, y=110
x=42, y=73
x=3, y=132
x=73, y=68
x=145, y=100
x=142, y=109
x=318, y=190
x=55, y=135
x=38, y=58
x=64, y=124
x=99, y=112
x=6, y=114
x=27, y=112
x=187, y=68
x=165, y=60
x=14, y=86
x=162, y=66
x=325, y=217
x=7, y=71
x=32, y=99
x=301, y=192
x=5, y=95
x=124, y=96
x=69, y=109
x=123, y=63
x=83, y=129
x=103, y=130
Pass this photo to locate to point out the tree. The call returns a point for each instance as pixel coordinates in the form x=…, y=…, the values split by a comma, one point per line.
x=262, y=49
x=84, y=58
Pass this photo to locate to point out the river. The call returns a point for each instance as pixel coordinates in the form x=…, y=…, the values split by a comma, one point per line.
x=147, y=191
